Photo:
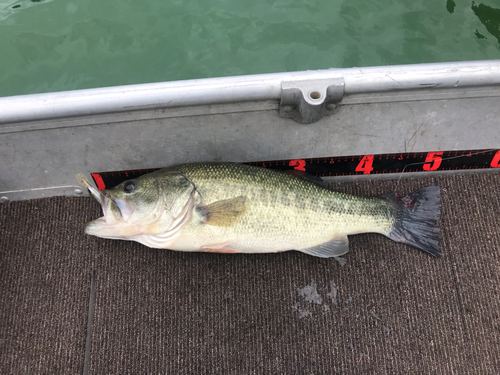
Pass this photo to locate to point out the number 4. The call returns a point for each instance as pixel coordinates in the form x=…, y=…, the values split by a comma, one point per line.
x=365, y=165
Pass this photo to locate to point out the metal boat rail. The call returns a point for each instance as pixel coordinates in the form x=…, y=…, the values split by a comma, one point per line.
x=260, y=87
x=45, y=139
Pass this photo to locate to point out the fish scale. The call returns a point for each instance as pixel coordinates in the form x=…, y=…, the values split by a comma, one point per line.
x=282, y=209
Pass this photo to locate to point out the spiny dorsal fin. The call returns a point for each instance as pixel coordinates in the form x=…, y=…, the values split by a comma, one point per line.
x=224, y=213
x=333, y=248
x=307, y=176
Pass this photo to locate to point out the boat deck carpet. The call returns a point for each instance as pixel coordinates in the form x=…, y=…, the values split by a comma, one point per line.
x=73, y=304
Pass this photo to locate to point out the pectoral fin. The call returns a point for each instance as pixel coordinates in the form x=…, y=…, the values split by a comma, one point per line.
x=333, y=248
x=224, y=213
x=223, y=247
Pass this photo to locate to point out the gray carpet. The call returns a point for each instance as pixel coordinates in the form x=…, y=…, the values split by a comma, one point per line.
x=390, y=309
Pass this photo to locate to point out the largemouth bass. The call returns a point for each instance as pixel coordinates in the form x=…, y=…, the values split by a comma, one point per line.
x=235, y=208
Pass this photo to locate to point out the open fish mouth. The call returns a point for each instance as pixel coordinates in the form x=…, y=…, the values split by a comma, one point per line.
x=112, y=213
x=110, y=209
x=110, y=224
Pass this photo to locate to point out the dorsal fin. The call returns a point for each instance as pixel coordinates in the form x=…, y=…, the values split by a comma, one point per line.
x=307, y=176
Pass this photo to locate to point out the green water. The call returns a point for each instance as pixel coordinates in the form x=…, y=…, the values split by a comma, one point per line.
x=67, y=44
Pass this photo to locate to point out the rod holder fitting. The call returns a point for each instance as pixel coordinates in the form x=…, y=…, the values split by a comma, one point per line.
x=307, y=101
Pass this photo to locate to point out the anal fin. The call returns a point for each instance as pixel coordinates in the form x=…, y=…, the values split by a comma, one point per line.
x=333, y=248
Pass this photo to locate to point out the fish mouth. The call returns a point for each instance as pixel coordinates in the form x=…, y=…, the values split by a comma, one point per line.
x=106, y=225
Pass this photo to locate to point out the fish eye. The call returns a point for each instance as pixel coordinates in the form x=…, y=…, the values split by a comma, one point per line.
x=129, y=186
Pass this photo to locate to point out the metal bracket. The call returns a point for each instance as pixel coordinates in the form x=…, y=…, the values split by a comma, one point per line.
x=16, y=195
x=308, y=101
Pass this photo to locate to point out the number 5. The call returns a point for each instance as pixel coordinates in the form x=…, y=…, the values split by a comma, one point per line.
x=434, y=158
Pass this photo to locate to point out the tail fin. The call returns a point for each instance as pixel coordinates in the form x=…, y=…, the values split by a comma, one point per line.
x=416, y=218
